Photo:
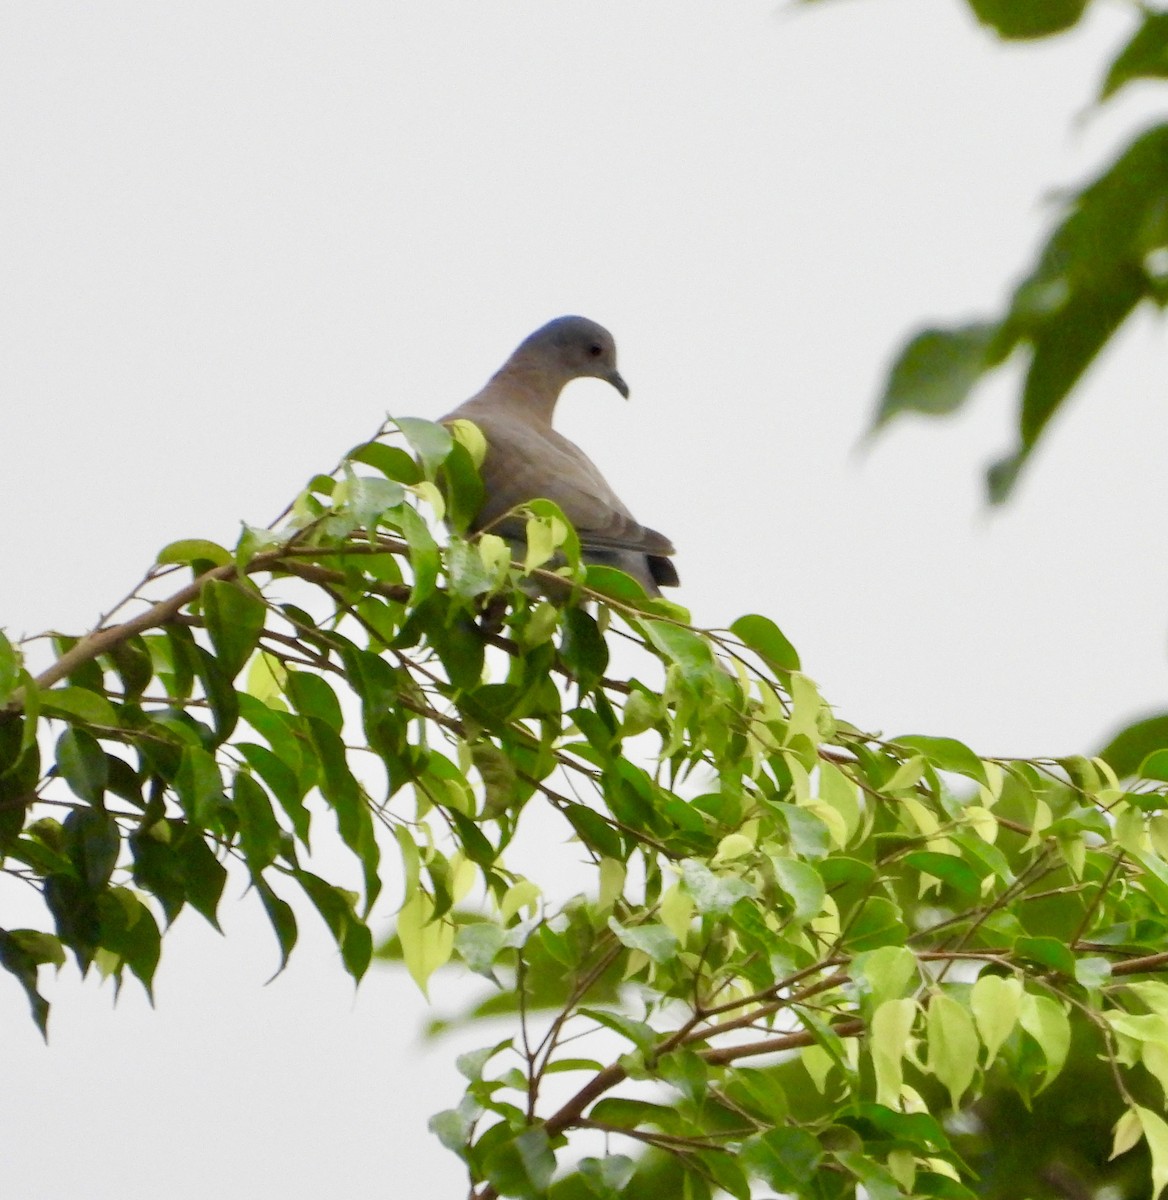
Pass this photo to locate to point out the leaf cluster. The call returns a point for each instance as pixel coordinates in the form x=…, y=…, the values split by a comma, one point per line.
x=803, y=945
x=1107, y=256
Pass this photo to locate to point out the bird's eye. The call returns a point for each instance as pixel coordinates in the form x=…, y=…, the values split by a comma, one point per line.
x=595, y=351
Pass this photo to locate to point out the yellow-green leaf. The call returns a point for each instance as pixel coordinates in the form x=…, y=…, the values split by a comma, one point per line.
x=953, y=1044
x=996, y=1002
x=892, y=1026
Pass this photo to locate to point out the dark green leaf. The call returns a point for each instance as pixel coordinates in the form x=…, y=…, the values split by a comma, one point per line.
x=784, y=1158
x=1144, y=57
x=92, y=841
x=282, y=781
x=75, y=703
x=936, y=371
x=1048, y=951
x=947, y=754
x=128, y=929
x=281, y=916
x=392, y=461
x=311, y=696
x=203, y=875
x=583, y=648
x=199, y=785
x=15, y=959
x=83, y=765
x=1130, y=746
x=1028, y=18
x=259, y=831
x=9, y=669
x=522, y=1166
x=878, y=923
x=948, y=868
x=767, y=640
x=194, y=550
x=462, y=487
x=235, y=617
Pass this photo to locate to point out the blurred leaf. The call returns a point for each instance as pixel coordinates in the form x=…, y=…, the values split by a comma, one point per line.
x=1144, y=57
x=1130, y=746
x=9, y=669
x=936, y=371
x=1028, y=18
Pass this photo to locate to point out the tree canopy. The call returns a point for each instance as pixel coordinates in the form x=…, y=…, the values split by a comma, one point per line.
x=804, y=944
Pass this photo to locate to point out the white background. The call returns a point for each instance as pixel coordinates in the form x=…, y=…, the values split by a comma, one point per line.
x=232, y=235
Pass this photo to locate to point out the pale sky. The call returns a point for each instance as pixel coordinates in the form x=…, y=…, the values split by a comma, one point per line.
x=233, y=235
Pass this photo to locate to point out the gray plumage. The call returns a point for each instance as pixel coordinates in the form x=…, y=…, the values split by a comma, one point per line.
x=527, y=459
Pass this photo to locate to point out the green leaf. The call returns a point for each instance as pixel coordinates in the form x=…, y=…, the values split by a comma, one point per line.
x=203, y=875
x=879, y=923
x=80, y=704
x=714, y=893
x=948, y=868
x=83, y=764
x=952, y=1043
x=803, y=884
x=1144, y=57
x=430, y=441
x=392, y=461
x=634, y=1114
x=1156, y=1134
x=92, y=841
x=523, y=1166
x=259, y=831
x=651, y=938
x=886, y=973
x=1046, y=1022
x=936, y=371
x=1132, y=745
x=311, y=696
x=584, y=649
x=199, y=786
x=194, y=550
x=9, y=669
x=892, y=1024
x=479, y=944
x=462, y=487
x=19, y=962
x=128, y=930
x=767, y=640
x=1048, y=951
x=687, y=649
x=946, y=754
x=235, y=617
x=1028, y=18
x=784, y=1158
x=996, y=1002
x=281, y=916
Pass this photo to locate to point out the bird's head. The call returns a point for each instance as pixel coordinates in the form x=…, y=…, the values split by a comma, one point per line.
x=573, y=347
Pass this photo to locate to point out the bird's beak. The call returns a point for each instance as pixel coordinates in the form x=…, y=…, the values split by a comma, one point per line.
x=618, y=383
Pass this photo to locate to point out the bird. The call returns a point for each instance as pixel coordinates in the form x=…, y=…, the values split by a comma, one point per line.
x=527, y=459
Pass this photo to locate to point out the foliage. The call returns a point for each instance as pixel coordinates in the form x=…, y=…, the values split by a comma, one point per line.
x=1107, y=256
x=803, y=944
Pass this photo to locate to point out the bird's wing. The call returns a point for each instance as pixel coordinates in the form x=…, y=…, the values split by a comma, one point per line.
x=524, y=463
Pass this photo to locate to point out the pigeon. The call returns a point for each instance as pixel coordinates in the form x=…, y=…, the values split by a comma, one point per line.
x=527, y=459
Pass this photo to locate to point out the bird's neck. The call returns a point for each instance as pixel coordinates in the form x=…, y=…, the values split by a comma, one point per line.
x=527, y=385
